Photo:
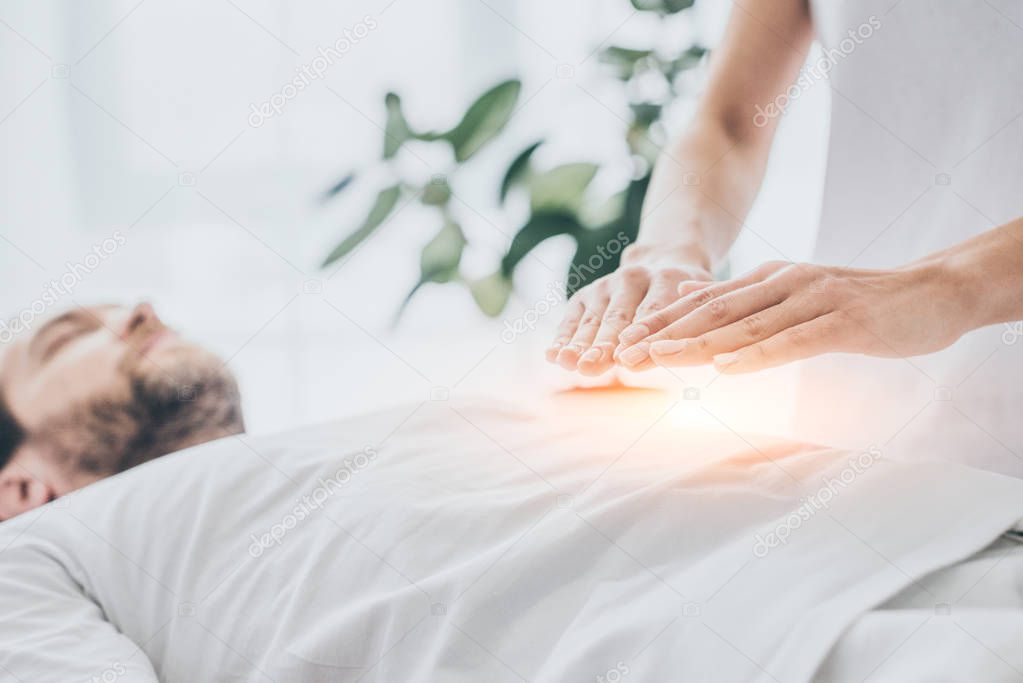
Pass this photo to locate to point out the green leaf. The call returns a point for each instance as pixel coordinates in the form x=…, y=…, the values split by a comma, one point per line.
x=624, y=59
x=439, y=260
x=441, y=255
x=337, y=187
x=562, y=188
x=673, y=6
x=539, y=227
x=437, y=192
x=484, y=119
x=382, y=207
x=491, y=293
x=396, y=130
x=633, y=211
x=645, y=113
x=685, y=61
x=662, y=6
x=593, y=257
x=518, y=170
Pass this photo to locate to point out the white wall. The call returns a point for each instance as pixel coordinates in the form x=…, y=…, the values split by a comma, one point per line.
x=109, y=110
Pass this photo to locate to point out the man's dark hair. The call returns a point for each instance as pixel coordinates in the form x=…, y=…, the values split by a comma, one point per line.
x=11, y=433
x=105, y=437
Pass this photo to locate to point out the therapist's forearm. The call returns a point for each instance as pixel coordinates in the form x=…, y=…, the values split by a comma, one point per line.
x=702, y=188
x=987, y=272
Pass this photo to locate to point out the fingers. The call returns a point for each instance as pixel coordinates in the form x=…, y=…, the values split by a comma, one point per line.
x=665, y=289
x=707, y=308
x=752, y=327
x=620, y=312
x=594, y=306
x=566, y=329
x=635, y=346
x=693, y=295
x=825, y=334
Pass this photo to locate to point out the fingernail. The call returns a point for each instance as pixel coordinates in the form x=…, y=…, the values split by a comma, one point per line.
x=569, y=356
x=668, y=346
x=552, y=352
x=724, y=359
x=592, y=356
x=633, y=333
x=635, y=355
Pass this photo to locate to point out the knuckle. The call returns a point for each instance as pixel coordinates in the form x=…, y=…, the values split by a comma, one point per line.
x=649, y=309
x=602, y=287
x=589, y=318
x=717, y=309
x=631, y=250
x=799, y=337
x=617, y=316
x=672, y=274
x=770, y=267
x=634, y=275
x=753, y=326
x=831, y=327
x=658, y=319
x=701, y=296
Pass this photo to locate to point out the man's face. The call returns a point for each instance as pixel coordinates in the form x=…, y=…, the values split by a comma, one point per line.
x=85, y=357
x=85, y=354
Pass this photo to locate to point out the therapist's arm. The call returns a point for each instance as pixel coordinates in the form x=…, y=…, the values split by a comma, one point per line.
x=784, y=312
x=687, y=227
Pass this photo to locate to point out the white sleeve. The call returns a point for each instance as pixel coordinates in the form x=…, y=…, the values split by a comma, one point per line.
x=51, y=631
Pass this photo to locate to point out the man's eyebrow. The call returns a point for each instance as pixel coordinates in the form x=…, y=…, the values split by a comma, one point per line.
x=73, y=315
x=53, y=322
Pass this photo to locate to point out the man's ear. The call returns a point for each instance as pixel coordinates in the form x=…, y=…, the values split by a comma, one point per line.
x=24, y=484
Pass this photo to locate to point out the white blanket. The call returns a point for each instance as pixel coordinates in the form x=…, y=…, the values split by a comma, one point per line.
x=468, y=542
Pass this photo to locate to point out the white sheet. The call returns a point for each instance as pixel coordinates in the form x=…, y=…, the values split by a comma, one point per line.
x=474, y=543
x=962, y=623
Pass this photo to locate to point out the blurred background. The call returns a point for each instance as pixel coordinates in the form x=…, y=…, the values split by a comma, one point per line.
x=132, y=124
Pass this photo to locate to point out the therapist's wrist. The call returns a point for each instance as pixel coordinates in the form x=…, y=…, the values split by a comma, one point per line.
x=958, y=288
x=685, y=255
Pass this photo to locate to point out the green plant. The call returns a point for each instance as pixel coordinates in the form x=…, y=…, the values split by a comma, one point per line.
x=560, y=199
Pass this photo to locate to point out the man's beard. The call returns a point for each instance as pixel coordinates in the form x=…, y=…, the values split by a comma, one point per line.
x=183, y=397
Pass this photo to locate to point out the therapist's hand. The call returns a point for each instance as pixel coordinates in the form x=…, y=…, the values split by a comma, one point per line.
x=783, y=312
x=648, y=280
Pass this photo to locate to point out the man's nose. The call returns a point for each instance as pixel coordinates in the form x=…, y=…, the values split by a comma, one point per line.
x=142, y=316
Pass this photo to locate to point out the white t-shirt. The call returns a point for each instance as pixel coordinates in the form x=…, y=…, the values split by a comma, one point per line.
x=926, y=150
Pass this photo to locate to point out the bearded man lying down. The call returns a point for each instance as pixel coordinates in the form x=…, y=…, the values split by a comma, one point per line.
x=97, y=390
